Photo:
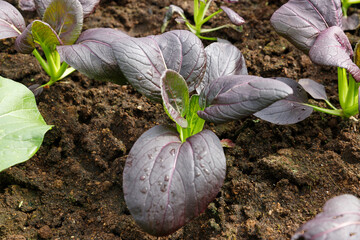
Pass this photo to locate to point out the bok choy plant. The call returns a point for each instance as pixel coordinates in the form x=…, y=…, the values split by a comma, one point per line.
x=61, y=23
x=201, y=8
x=314, y=27
x=340, y=219
x=172, y=173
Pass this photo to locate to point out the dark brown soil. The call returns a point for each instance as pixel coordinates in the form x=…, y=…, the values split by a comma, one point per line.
x=278, y=177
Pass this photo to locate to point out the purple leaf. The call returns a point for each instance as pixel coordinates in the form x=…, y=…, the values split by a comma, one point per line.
x=144, y=60
x=92, y=55
x=36, y=89
x=332, y=48
x=167, y=183
x=27, y=5
x=290, y=109
x=316, y=90
x=87, y=6
x=340, y=219
x=183, y=52
x=233, y=16
x=233, y=97
x=222, y=59
x=301, y=21
x=350, y=22
x=24, y=43
x=66, y=18
x=175, y=95
x=11, y=21
x=169, y=13
x=41, y=6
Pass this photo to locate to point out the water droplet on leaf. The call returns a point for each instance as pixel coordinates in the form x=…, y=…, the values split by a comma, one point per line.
x=144, y=190
x=163, y=188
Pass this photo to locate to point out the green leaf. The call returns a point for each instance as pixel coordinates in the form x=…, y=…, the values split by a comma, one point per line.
x=175, y=95
x=22, y=128
x=45, y=35
x=66, y=18
x=196, y=123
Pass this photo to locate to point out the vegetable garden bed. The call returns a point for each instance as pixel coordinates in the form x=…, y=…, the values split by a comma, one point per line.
x=277, y=178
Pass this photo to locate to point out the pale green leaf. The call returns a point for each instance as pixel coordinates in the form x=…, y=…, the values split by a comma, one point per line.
x=22, y=128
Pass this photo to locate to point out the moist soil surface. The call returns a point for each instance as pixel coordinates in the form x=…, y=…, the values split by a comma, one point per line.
x=277, y=177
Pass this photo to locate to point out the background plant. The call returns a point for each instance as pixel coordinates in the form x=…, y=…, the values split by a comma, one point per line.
x=340, y=219
x=61, y=24
x=315, y=28
x=201, y=16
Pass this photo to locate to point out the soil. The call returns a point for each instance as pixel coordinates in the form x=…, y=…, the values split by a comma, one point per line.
x=277, y=178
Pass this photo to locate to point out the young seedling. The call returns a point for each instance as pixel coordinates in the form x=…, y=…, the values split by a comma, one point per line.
x=201, y=8
x=172, y=174
x=340, y=219
x=61, y=24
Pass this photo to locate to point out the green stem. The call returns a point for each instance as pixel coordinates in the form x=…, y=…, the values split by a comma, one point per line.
x=67, y=72
x=330, y=105
x=181, y=132
x=61, y=70
x=50, y=60
x=350, y=96
x=207, y=38
x=42, y=62
x=204, y=11
x=191, y=27
x=57, y=59
x=337, y=112
x=200, y=12
x=210, y=16
x=214, y=29
x=342, y=86
x=196, y=10
x=351, y=111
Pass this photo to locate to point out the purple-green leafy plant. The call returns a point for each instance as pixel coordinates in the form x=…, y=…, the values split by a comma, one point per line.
x=314, y=26
x=61, y=23
x=201, y=8
x=340, y=219
x=172, y=174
